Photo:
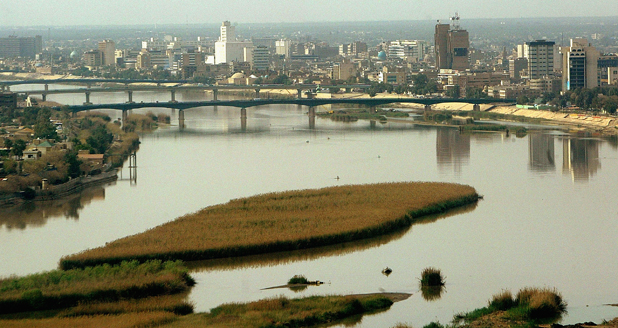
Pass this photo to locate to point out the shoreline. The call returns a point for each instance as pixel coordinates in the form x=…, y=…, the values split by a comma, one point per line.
x=605, y=125
x=62, y=190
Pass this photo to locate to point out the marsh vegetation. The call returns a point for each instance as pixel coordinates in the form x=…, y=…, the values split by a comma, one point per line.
x=283, y=221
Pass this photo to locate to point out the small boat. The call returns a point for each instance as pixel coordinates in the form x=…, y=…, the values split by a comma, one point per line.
x=386, y=271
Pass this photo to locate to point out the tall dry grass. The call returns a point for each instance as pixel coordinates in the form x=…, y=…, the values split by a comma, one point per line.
x=130, y=320
x=530, y=305
x=284, y=312
x=62, y=289
x=284, y=221
x=176, y=304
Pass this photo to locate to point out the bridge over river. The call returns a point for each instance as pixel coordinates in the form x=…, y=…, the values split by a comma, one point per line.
x=312, y=103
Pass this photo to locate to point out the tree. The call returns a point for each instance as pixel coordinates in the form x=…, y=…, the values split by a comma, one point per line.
x=8, y=143
x=453, y=92
x=18, y=148
x=73, y=163
x=44, y=128
x=401, y=89
x=475, y=93
x=611, y=104
x=282, y=79
x=420, y=83
x=100, y=139
x=522, y=100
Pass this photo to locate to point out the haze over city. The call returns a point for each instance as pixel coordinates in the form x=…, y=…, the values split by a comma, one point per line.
x=131, y=12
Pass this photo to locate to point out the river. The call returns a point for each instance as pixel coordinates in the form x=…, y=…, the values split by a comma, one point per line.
x=548, y=217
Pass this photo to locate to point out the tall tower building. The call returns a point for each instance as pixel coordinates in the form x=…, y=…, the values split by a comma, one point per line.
x=228, y=49
x=441, y=45
x=228, y=32
x=108, y=49
x=579, y=65
x=451, y=46
x=458, y=45
x=540, y=55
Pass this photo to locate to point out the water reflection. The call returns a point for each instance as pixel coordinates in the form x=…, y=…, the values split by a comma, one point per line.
x=541, y=152
x=280, y=258
x=452, y=149
x=432, y=293
x=36, y=214
x=580, y=158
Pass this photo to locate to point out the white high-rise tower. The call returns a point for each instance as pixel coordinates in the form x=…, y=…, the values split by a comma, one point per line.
x=228, y=49
x=228, y=32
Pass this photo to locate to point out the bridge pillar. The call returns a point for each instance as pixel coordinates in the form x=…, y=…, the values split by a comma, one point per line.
x=427, y=108
x=215, y=94
x=257, y=93
x=130, y=93
x=44, y=96
x=46, y=87
x=87, y=98
x=125, y=115
x=173, y=92
x=476, y=108
x=8, y=88
x=373, y=109
x=311, y=117
x=3, y=87
x=300, y=93
x=181, y=118
x=243, y=119
x=372, y=124
x=348, y=90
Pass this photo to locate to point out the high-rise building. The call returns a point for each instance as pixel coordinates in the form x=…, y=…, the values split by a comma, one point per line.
x=261, y=58
x=516, y=66
x=441, y=45
x=458, y=45
x=410, y=49
x=93, y=58
x=540, y=56
x=228, y=32
x=579, y=65
x=282, y=47
x=21, y=47
x=108, y=49
x=228, y=48
x=358, y=47
x=451, y=46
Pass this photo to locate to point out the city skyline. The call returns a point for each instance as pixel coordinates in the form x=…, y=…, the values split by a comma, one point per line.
x=133, y=12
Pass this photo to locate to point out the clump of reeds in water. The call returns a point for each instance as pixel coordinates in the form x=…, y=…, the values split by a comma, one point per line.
x=432, y=277
x=298, y=279
x=536, y=305
x=540, y=303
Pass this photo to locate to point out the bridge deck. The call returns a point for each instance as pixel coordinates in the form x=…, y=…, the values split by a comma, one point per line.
x=303, y=102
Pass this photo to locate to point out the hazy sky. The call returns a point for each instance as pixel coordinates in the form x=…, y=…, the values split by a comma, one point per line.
x=131, y=12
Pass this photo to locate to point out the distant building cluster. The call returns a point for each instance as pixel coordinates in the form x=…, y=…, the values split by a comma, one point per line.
x=453, y=64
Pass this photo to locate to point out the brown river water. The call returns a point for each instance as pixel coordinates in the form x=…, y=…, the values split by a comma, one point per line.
x=548, y=218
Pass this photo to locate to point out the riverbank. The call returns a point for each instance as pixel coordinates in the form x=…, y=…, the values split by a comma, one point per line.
x=62, y=190
x=282, y=222
x=606, y=125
